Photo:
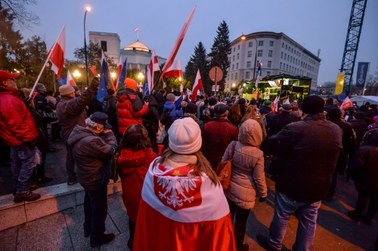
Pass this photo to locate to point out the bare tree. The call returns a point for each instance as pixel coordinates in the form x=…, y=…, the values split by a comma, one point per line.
x=18, y=9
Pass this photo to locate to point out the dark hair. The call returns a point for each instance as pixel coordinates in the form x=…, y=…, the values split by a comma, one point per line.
x=135, y=137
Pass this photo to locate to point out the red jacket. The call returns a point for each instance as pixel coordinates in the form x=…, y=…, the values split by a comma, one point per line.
x=17, y=125
x=133, y=167
x=126, y=114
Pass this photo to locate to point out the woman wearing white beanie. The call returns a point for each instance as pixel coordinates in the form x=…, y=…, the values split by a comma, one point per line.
x=183, y=206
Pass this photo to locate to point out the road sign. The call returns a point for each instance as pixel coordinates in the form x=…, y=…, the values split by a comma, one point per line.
x=216, y=74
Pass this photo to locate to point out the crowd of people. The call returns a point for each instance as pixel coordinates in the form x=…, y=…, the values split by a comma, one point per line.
x=168, y=149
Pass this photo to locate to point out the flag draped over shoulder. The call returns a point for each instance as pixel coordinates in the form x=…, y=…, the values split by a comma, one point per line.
x=197, y=86
x=182, y=211
x=177, y=45
x=152, y=68
x=104, y=80
x=70, y=79
x=57, y=54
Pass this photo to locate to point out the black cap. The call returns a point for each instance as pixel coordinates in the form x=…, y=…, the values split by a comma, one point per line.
x=220, y=109
x=101, y=118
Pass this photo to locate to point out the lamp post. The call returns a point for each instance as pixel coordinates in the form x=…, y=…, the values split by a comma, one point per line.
x=87, y=8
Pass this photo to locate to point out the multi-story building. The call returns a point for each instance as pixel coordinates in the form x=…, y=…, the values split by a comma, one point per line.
x=278, y=55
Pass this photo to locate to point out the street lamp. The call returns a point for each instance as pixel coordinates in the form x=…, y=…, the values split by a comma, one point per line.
x=76, y=74
x=140, y=77
x=87, y=8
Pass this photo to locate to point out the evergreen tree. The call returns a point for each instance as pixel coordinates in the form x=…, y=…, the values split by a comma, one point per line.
x=198, y=61
x=220, y=51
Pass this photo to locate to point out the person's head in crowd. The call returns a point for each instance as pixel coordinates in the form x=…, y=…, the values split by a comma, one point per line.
x=359, y=115
x=131, y=84
x=312, y=105
x=287, y=108
x=253, y=101
x=242, y=102
x=220, y=110
x=334, y=113
x=185, y=136
x=8, y=79
x=41, y=88
x=135, y=137
x=191, y=108
x=98, y=122
x=171, y=97
x=67, y=91
x=294, y=105
x=213, y=101
x=267, y=102
x=329, y=101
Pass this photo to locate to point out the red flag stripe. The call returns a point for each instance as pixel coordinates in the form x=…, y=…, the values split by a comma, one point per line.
x=197, y=86
x=57, y=54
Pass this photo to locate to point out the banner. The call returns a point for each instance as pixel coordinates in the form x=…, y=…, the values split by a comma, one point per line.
x=362, y=70
x=339, y=83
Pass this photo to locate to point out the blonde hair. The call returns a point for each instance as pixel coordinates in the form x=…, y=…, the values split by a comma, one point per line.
x=202, y=165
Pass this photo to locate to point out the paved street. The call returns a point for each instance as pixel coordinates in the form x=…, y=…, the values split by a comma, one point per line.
x=64, y=230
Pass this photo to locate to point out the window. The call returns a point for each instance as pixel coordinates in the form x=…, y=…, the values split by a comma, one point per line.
x=269, y=65
x=234, y=48
x=249, y=54
x=236, y=75
x=232, y=67
x=237, y=56
x=233, y=58
x=104, y=46
x=247, y=75
x=238, y=46
x=237, y=66
x=249, y=64
x=268, y=73
x=270, y=53
x=250, y=44
x=283, y=45
x=281, y=54
x=271, y=43
x=261, y=43
x=260, y=53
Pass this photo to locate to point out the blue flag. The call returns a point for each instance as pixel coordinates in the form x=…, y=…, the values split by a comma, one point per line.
x=104, y=80
x=145, y=87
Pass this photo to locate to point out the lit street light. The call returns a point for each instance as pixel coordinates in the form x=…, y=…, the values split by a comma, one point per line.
x=87, y=8
x=76, y=74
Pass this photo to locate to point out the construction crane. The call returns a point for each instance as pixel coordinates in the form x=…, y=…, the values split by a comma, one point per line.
x=352, y=40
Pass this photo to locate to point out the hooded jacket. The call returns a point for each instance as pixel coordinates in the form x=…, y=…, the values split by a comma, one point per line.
x=92, y=155
x=247, y=177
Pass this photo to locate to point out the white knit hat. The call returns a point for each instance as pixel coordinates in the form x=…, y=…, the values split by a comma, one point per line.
x=185, y=136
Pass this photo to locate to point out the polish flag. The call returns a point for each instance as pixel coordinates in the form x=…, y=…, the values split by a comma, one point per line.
x=347, y=103
x=176, y=205
x=177, y=45
x=57, y=54
x=197, y=86
x=70, y=79
x=152, y=68
x=93, y=69
x=175, y=71
x=275, y=104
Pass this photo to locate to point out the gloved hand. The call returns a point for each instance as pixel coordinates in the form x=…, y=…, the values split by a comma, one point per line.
x=262, y=199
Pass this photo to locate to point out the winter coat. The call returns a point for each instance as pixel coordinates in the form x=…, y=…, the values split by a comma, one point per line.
x=170, y=113
x=133, y=166
x=17, y=124
x=306, y=154
x=217, y=134
x=364, y=169
x=71, y=111
x=248, y=176
x=130, y=109
x=92, y=155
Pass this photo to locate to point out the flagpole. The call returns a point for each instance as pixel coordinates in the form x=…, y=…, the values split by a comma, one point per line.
x=44, y=65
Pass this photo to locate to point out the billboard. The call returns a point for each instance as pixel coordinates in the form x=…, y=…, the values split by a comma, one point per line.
x=362, y=70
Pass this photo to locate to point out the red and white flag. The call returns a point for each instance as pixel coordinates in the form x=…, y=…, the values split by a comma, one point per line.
x=175, y=206
x=70, y=79
x=275, y=104
x=347, y=103
x=57, y=54
x=198, y=85
x=177, y=45
x=175, y=71
x=152, y=68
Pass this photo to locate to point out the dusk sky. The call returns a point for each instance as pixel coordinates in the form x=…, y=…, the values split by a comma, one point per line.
x=315, y=24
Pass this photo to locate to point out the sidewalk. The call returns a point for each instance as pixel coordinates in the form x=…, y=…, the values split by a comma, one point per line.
x=64, y=230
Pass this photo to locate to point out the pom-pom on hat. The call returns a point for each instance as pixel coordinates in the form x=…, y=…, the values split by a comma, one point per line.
x=131, y=84
x=312, y=105
x=185, y=136
x=66, y=90
x=5, y=75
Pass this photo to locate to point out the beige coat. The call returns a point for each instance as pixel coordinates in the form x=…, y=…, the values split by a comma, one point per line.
x=248, y=177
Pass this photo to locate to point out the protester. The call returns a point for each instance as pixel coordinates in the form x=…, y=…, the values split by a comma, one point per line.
x=171, y=112
x=247, y=178
x=253, y=113
x=364, y=171
x=280, y=120
x=92, y=148
x=130, y=106
x=70, y=111
x=109, y=106
x=183, y=206
x=217, y=134
x=302, y=172
x=135, y=156
x=237, y=111
x=18, y=131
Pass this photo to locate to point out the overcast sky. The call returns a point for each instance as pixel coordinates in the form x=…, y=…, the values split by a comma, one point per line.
x=315, y=24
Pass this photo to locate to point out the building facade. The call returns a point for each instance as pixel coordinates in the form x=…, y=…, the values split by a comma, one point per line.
x=278, y=55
